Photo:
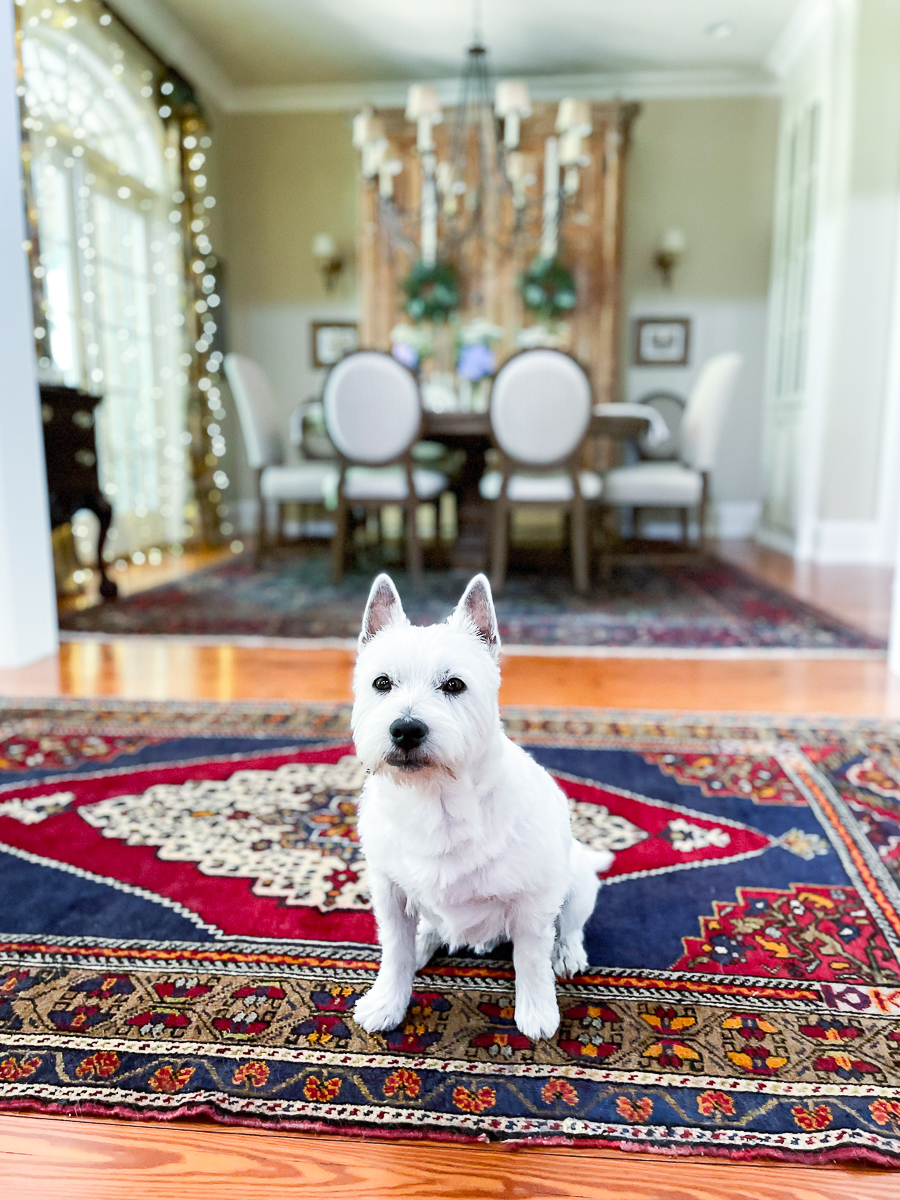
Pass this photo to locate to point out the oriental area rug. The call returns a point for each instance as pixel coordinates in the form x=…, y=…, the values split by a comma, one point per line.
x=688, y=603
x=186, y=928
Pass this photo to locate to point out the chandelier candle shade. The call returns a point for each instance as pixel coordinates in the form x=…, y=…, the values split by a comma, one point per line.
x=550, y=235
x=422, y=107
x=511, y=103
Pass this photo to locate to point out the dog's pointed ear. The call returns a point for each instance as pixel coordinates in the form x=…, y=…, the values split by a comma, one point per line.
x=382, y=608
x=475, y=611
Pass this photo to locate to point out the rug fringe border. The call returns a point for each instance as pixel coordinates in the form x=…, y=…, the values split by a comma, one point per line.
x=193, y=1111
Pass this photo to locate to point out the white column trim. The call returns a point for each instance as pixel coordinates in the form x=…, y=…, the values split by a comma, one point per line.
x=28, y=625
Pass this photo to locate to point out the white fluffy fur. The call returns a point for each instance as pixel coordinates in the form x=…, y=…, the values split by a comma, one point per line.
x=470, y=842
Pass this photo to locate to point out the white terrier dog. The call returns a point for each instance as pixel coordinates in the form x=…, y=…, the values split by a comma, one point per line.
x=467, y=839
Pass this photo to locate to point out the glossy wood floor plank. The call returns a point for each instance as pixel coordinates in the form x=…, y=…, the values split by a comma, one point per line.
x=858, y=594
x=150, y=669
x=101, y=1160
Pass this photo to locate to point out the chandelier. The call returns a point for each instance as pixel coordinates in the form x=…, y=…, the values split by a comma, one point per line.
x=482, y=185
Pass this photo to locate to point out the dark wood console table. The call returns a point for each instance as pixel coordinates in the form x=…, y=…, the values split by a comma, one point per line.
x=70, y=450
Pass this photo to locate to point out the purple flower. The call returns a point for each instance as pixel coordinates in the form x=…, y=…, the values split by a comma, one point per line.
x=475, y=362
x=406, y=354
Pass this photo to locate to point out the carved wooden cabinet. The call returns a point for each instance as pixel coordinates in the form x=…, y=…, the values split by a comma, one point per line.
x=70, y=450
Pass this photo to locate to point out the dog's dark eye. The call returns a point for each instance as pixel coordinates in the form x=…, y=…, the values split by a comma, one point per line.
x=382, y=684
x=453, y=686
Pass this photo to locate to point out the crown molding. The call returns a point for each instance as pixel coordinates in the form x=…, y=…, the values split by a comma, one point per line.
x=157, y=25
x=177, y=47
x=803, y=25
x=630, y=85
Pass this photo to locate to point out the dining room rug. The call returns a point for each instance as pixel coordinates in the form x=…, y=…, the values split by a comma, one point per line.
x=670, y=602
x=186, y=928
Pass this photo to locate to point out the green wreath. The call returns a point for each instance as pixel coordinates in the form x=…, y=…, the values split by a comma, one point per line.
x=548, y=288
x=431, y=292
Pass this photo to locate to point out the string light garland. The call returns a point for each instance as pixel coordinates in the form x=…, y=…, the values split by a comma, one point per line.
x=90, y=90
x=205, y=412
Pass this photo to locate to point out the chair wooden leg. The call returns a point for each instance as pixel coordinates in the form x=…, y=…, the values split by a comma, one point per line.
x=339, y=542
x=413, y=546
x=685, y=527
x=260, y=522
x=704, y=510
x=500, y=545
x=579, y=546
x=608, y=542
x=636, y=526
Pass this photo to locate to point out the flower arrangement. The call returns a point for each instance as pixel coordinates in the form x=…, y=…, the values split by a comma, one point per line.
x=431, y=291
x=548, y=288
x=411, y=344
x=556, y=335
x=476, y=360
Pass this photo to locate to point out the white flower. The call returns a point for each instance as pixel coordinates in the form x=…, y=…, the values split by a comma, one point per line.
x=417, y=336
x=480, y=332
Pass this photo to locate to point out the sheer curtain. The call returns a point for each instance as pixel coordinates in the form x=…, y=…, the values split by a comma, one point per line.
x=110, y=258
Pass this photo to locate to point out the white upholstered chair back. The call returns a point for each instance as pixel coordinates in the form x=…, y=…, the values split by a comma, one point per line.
x=257, y=411
x=707, y=408
x=372, y=408
x=540, y=407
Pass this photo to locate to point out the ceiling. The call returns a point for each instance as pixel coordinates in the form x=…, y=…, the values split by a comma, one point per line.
x=278, y=43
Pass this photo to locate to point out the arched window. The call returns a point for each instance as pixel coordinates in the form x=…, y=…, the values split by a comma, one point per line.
x=104, y=174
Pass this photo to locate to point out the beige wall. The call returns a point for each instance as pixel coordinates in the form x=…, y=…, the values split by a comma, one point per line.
x=288, y=176
x=707, y=167
x=282, y=179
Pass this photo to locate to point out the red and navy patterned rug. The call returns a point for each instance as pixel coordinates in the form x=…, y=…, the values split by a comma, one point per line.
x=672, y=602
x=186, y=928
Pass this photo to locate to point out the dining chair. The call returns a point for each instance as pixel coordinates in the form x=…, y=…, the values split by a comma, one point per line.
x=540, y=412
x=276, y=481
x=683, y=484
x=373, y=414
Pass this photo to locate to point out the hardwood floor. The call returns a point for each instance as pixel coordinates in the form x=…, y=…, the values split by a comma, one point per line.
x=860, y=595
x=101, y=1160
x=73, y=1158
x=140, y=669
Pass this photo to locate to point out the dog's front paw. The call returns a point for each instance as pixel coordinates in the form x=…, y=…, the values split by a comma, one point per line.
x=537, y=1020
x=603, y=860
x=569, y=958
x=380, y=1009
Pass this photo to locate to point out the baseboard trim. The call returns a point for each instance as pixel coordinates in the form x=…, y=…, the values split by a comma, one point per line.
x=849, y=542
x=775, y=539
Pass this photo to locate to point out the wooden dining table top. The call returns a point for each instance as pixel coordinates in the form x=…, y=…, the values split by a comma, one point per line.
x=478, y=425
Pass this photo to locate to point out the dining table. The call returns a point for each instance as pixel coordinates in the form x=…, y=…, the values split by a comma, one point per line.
x=471, y=431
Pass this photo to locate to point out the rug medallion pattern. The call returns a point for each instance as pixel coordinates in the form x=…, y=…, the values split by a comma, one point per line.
x=186, y=928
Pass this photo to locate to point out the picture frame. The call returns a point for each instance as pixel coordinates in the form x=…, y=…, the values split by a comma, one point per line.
x=332, y=340
x=662, y=341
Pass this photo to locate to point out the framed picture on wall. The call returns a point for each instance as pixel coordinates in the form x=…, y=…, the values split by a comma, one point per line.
x=662, y=341
x=331, y=340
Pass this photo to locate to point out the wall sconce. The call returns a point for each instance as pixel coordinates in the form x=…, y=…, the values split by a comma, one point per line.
x=672, y=246
x=330, y=261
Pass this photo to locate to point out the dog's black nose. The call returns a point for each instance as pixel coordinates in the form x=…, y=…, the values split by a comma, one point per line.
x=407, y=733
